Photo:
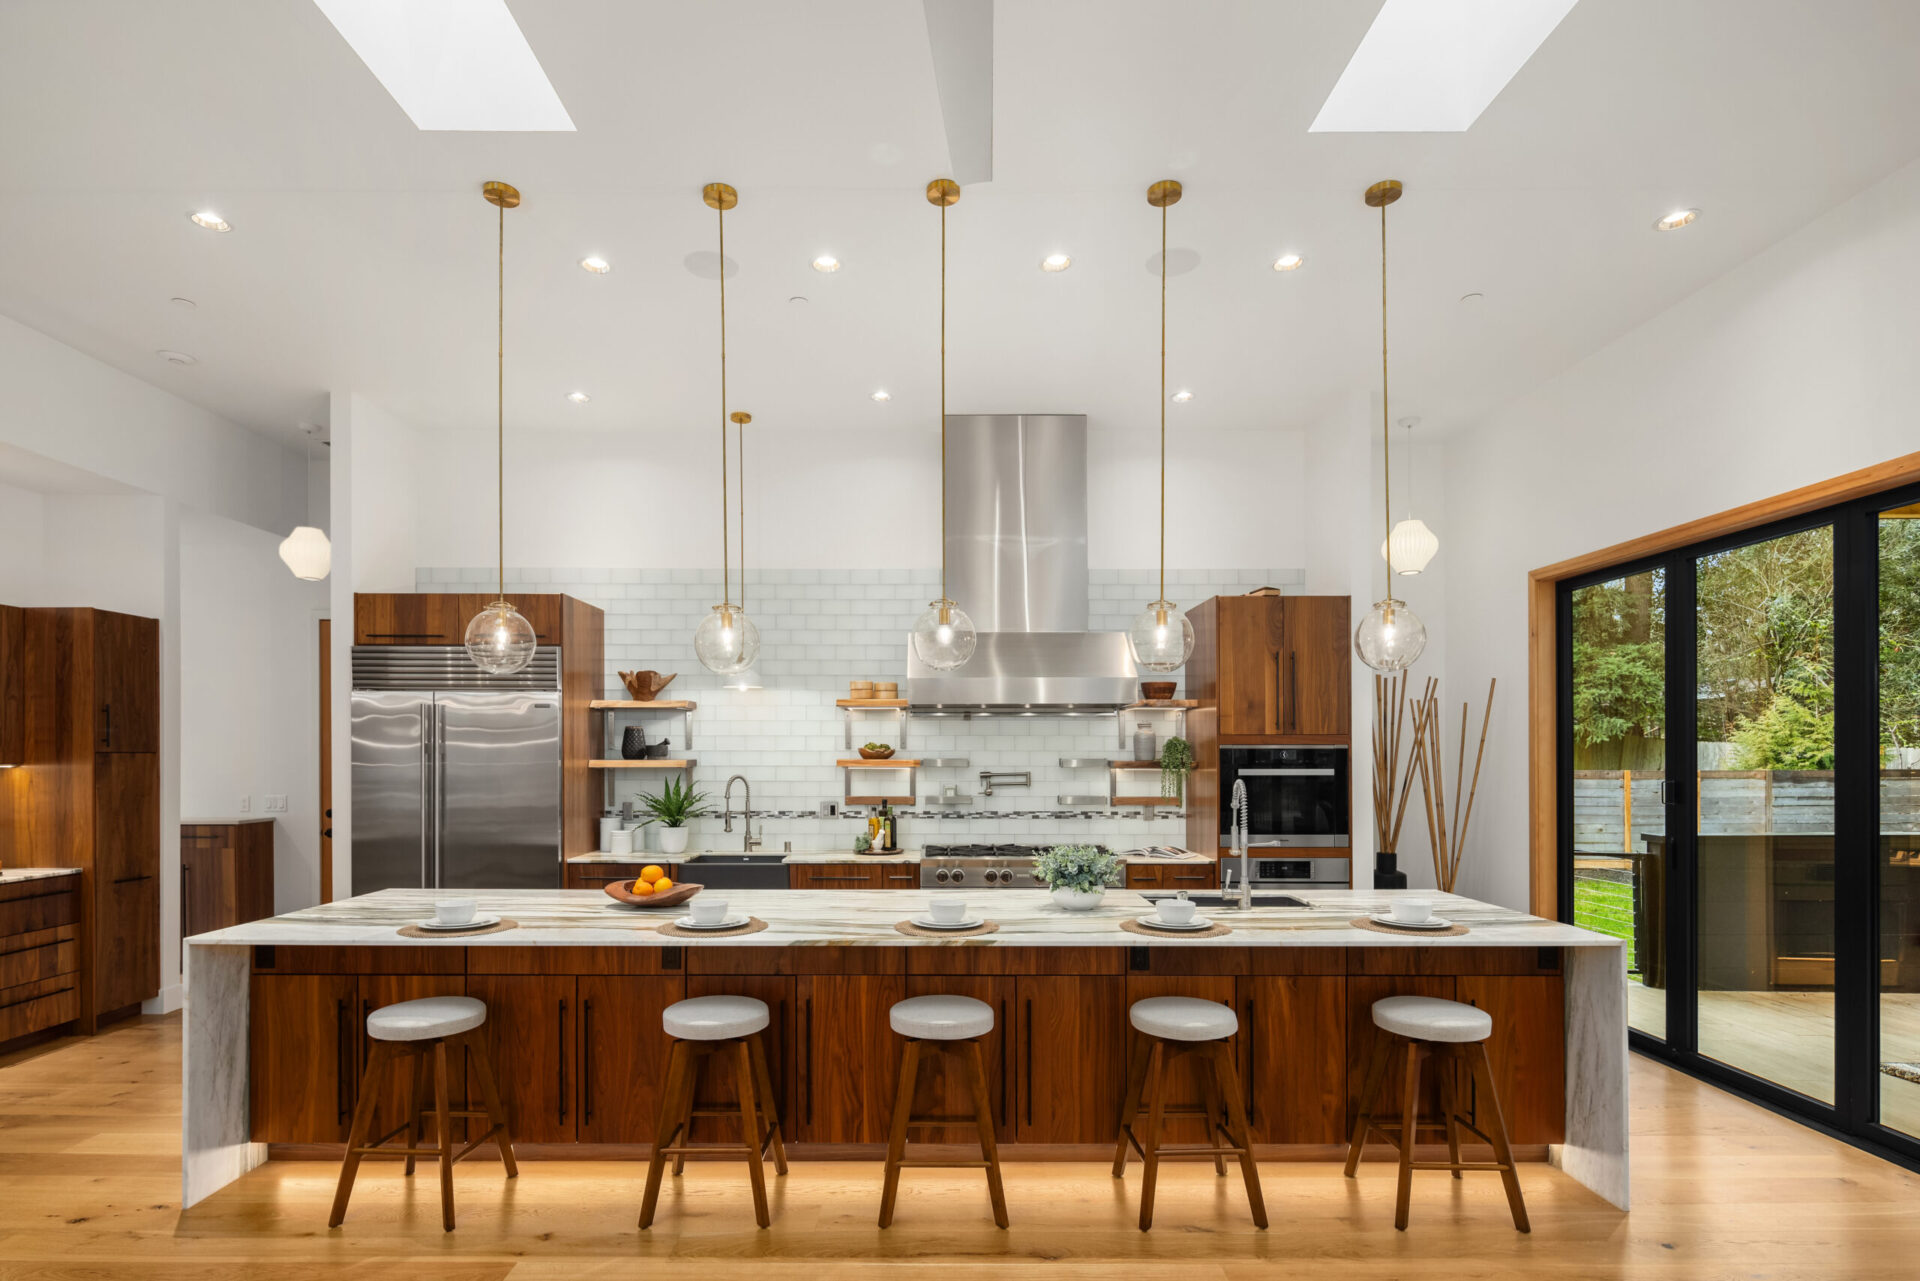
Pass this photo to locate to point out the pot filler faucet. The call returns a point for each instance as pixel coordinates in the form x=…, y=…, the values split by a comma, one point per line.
x=747, y=842
x=1239, y=846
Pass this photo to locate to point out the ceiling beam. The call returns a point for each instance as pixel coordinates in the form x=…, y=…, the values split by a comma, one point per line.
x=961, y=34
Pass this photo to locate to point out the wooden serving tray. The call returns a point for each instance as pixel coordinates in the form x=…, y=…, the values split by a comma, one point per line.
x=622, y=891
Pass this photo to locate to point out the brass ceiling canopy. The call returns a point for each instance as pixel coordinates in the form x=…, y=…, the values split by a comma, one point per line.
x=1163, y=193
x=943, y=191
x=719, y=195
x=741, y=417
x=1384, y=192
x=503, y=194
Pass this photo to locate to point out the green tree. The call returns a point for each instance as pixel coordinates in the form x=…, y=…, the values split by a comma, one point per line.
x=1900, y=628
x=1619, y=676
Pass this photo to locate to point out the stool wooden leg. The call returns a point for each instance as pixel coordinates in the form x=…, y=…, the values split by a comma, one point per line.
x=1369, y=1097
x=419, y=1094
x=1130, y=1106
x=443, y=1119
x=377, y=1060
x=665, y=1130
x=769, y=1106
x=750, y=1129
x=697, y=1053
x=897, y=1132
x=482, y=1060
x=1227, y=1082
x=1409, y=1126
x=1156, y=1087
x=1495, y=1124
x=1451, y=1097
x=1216, y=1117
x=983, y=1121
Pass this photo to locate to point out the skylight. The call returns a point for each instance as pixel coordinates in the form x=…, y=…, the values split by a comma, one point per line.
x=1432, y=66
x=452, y=64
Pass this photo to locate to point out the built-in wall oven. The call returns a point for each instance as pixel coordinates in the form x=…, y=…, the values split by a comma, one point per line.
x=1297, y=797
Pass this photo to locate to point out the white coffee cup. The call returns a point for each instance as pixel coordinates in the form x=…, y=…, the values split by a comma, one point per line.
x=454, y=911
x=1175, y=911
x=947, y=911
x=1413, y=911
x=706, y=910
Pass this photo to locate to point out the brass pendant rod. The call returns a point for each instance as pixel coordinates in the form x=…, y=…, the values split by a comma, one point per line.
x=1163, y=403
x=943, y=403
x=1386, y=437
x=726, y=549
x=741, y=447
x=500, y=405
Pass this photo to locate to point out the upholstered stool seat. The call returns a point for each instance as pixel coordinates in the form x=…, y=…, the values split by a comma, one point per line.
x=1183, y=1018
x=715, y=1018
x=941, y=1018
x=426, y=1018
x=1429, y=1018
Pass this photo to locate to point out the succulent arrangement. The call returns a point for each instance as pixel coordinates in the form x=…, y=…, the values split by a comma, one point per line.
x=1085, y=868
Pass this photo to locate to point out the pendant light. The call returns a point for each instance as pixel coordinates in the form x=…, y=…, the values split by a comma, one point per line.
x=943, y=637
x=726, y=641
x=1413, y=544
x=747, y=677
x=1391, y=636
x=306, y=550
x=1161, y=634
x=499, y=641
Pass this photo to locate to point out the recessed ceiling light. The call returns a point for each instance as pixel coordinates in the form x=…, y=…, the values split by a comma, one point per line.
x=1288, y=262
x=598, y=266
x=1475, y=296
x=1432, y=66
x=176, y=357
x=882, y=394
x=826, y=262
x=475, y=71
x=798, y=298
x=184, y=304
x=210, y=220
x=578, y=397
x=1182, y=396
x=1676, y=220
x=1056, y=262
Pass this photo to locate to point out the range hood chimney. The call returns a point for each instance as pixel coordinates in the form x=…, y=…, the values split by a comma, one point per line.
x=1016, y=550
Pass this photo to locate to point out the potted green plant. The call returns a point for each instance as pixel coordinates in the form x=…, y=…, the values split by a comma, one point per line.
x=1078, y=874
x=1176, y=762
x=671, y=807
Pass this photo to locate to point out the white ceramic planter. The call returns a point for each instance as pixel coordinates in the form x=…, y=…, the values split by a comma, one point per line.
x=673, y=840
x=1078, y=900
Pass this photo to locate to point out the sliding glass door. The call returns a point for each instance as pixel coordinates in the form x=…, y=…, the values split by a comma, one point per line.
x=1739, y=758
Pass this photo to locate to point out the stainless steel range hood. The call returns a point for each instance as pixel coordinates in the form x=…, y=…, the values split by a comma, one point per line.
x=1017, y=563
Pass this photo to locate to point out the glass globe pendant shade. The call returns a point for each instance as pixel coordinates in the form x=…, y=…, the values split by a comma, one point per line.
x=499, y=640
x=943, y=637
x=727, y=641
x=1161, y=636
x=1413, y=546
x=1390, y=637
x=307, y=553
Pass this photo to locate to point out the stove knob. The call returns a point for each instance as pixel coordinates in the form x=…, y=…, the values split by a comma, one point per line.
x=941, y=876
x=959, y=875
x=1006, y=877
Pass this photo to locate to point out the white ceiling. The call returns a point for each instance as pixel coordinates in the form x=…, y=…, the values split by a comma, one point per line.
x=362, y=254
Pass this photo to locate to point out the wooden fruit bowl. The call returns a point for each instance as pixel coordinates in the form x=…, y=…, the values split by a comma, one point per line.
x=622, y=892
x=870, y=755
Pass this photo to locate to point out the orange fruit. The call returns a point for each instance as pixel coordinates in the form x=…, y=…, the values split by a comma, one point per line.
x=653, y=872
x=642, y=888
x=662, y=885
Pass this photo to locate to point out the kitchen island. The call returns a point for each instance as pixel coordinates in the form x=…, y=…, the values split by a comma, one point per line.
x=274, y=1011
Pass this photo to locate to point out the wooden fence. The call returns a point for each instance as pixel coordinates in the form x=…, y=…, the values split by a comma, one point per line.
x=1614, y=809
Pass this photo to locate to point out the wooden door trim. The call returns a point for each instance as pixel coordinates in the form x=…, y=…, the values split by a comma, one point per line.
x=326, y=760
x=1543, y=703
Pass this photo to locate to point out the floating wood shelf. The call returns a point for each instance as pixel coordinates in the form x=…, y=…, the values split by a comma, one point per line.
x=879, y=704
x=891, y=762
x=877, y=800
x=1143, y=800
x=652, y=764
x=631, y=705
x=1133, y=764
x=1170, y=704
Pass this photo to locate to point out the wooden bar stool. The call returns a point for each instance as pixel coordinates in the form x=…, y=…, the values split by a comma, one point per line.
x=420, y=1031
x=953, y=1026
x=1430, y=1027
x=702, y=1028
x=1167, y=1029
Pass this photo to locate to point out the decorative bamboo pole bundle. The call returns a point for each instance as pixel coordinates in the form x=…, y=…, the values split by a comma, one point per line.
x=1392, y=780
x=1447, y=840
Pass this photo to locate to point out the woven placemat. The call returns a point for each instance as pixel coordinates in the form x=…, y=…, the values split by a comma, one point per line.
x=1214, y=931
x=672, y=928
x=500, y=926
x=1363, y=923
x=911, y=930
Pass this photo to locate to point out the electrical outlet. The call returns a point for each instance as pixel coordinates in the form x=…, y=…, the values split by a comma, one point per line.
x=276, y=803
x=246, y=805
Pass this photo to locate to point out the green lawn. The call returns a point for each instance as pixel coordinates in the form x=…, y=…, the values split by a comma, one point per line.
x=1605, y=907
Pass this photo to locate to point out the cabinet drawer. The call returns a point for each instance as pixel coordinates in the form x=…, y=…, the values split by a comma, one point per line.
x=836, y=876
x=42, y=954
x=39, y=912
x=34, y=1007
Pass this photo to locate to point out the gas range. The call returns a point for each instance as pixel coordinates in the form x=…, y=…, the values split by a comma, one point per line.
x=993, y=867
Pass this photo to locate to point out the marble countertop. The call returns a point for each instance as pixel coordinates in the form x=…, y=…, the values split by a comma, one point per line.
x=801, y=918
x=9, y=875
x=824, y=856
x=234, y=821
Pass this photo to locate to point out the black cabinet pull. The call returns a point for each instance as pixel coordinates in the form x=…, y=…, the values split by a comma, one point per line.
x=586, y=1061
x=106, y=735
x=128, y=880
x=1004, y=1120
x=560, y=1068
x=1253, y=1064
x=1028, y=1092
x=340, y=1070
x=808, y=1062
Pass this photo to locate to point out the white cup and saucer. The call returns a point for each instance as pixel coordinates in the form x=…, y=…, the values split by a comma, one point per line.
x=457, y=914
x=705, y=912
x=946, y=914
x=1412, y=913
x=1176, y=913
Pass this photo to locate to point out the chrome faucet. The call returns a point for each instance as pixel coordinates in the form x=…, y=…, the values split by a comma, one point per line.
x=749, y=841
x=1239, y=844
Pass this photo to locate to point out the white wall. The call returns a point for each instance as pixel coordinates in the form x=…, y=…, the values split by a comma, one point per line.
x=249, y=665
x=1796, y=366
x=22, y=542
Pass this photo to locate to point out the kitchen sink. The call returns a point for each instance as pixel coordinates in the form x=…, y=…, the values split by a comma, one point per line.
x=1231, y=898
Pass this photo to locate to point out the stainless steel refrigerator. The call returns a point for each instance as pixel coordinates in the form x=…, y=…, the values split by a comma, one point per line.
x=456, y=776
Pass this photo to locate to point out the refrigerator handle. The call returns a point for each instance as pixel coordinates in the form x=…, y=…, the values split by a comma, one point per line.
x=439, y=783
x=427, y=790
